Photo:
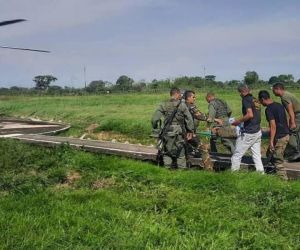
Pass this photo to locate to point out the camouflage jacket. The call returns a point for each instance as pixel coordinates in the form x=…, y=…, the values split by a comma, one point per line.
x=196, y=114
x=218, y=109
x=183, y=117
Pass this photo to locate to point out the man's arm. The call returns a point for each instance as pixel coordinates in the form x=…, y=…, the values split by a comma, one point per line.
x=249, y=115
x=156, y=117
x=200, y=116
x=211, y=113
x=272, y=126
x=290, y=110
x=189, y=122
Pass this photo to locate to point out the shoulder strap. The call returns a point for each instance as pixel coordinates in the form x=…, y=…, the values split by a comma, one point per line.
x=168, y=121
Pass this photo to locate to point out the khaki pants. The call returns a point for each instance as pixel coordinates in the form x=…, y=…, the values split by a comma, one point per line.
x=203, y=149
x=277, y=156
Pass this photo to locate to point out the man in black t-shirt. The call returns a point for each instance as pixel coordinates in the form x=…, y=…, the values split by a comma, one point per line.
x=250, y=137
x=279, y=131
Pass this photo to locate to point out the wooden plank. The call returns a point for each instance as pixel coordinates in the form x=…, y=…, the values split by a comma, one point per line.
x=22, y=126
x=140, y=152
x=105, y=147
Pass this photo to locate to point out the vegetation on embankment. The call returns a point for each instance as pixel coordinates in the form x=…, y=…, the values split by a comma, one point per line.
x=65, y=199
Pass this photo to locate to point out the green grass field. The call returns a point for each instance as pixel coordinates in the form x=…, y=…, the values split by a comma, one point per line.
x=60, y=198
x=128, y=114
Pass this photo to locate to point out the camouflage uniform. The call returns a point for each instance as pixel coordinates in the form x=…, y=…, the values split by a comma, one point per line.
x=195, y=141
x=220, y=110
x=286, y=99
x=276, y=156
x=174, y=138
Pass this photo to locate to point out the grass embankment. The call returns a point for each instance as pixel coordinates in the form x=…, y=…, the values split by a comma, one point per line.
x=128, y=114
x=65, y=199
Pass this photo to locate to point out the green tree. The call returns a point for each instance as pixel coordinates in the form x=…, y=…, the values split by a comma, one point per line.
x=55, y=90
x=286, y=79
x=273, y=80
x=42, y=82
x=251, y=78
x=124, y=82
x=182, y=81
x=139, y=86
x=210, y=78
x=96, y=86
x=233, y=83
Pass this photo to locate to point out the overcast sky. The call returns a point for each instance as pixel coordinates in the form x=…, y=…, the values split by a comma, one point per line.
x=147, y=39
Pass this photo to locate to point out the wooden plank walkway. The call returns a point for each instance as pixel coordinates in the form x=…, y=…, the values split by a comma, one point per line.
x=140, y=152
x=105, y=147
x=15, y=126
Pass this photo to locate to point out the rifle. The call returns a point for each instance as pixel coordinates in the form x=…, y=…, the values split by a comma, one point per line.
x=163, y=131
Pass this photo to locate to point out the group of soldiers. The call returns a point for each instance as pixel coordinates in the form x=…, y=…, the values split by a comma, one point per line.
x=180, y=133
x=178, y=139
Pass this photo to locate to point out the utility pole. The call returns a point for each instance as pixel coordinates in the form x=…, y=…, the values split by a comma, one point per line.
x=84, y=75
x=204, y=74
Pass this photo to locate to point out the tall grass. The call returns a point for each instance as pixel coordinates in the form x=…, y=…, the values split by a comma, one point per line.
x=114, y=203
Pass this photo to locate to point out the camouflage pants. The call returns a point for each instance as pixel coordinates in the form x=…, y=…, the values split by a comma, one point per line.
x=295, y=136
x=204, y=151
x=228, y=143
x=174, y=151
x=276, y=156
x=175, y=162
x=227, y=135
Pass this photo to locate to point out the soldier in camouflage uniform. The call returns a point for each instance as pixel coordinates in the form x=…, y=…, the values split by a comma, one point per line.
x=279, y=132
x=179, y=129
x=195, y=141
x=292, y=106
x=218, y=109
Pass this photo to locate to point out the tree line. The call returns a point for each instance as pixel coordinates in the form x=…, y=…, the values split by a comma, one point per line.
x=44, y=84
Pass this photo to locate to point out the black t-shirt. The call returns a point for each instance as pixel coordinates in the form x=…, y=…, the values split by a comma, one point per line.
x=253, y=125
x=275, y=111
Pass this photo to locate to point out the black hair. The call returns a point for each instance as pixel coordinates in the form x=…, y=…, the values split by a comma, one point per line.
x=210, y=94
x=174, y=90
x=243, y=87
x=188, y=93
x=278, y=85
x=263, y=94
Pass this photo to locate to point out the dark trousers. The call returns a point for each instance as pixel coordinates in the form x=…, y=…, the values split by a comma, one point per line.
x=228, y=143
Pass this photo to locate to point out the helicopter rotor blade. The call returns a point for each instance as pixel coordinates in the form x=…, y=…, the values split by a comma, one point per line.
x=33, y=50
x=12, y=21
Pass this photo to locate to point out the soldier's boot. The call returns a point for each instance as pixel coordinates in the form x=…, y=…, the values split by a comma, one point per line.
x=281, y=172
x=207, y=163
x=168, y=162
x=188, y=160
x=213, y=143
